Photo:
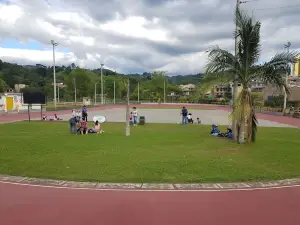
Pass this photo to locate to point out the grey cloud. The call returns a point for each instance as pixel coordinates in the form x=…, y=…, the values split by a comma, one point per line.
x=211, y=20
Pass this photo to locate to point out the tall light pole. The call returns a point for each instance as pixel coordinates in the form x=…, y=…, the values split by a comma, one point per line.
x=127, y=112
x=57, y=93
x=54, y=75
x=138, y=92
x=74, y=80
x=95, y=93
x=287, y=46
x=102, y=83
x=114, y=92
x=164, y=91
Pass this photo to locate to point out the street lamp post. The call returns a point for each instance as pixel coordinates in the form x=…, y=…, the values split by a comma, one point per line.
x=54, y=44
x=102, y=83
x=287, y=46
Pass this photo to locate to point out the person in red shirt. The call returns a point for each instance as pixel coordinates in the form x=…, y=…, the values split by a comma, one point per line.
x=83, y=127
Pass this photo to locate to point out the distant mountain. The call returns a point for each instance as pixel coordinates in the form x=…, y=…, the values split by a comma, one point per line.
x=186, y=79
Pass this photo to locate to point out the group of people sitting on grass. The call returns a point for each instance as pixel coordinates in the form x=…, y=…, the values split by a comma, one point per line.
x=79, y=125
x=216, y=132
x=187, y=117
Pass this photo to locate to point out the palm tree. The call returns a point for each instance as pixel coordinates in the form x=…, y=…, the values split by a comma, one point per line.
x=224, y=66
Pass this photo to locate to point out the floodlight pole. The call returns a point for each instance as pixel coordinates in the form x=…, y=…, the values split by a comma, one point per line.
x=114, y=92
x=164, y=91
x=54, y=75
x=74, y=80
x=138, y=92
x=127, y=112
x=95, y=93
x=102, y=101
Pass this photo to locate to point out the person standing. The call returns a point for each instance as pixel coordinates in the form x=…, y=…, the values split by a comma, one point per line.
x=72, y=122
x=135, y=116
x=184, y=113
x=84, y=113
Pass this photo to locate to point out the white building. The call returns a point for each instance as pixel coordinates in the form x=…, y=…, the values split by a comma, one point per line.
x=187, y=88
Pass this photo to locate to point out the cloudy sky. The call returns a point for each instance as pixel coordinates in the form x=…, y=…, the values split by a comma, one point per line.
x=137, y=36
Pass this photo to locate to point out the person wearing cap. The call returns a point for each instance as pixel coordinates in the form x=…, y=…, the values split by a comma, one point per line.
x=184, y=114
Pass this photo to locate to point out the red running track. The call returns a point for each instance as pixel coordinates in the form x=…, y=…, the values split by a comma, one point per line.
x=28, y=205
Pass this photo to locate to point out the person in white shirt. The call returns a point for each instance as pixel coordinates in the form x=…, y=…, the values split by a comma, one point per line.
x=78, y=116
x=73, y=113
x=135, y=116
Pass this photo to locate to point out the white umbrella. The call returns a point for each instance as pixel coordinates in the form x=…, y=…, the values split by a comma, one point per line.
x=100, y=119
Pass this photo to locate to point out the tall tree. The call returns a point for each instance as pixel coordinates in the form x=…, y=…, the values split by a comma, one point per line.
x=223, y=65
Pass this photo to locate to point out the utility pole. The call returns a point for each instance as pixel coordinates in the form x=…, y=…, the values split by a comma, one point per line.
x=138, y=92
x=114, y=92
x=54, y=75
x=102, y=84
x=235, y=82
x=287, y=46
x=127, y=112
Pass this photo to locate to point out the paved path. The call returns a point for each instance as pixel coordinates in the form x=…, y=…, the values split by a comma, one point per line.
x=47, y=206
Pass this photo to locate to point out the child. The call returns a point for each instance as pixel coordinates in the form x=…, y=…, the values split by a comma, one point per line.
x=190, y=119
x=84, y=113
x=135, y=116
x=198, y=120
x=77, y=127
x=214, y=130
x=83, y=127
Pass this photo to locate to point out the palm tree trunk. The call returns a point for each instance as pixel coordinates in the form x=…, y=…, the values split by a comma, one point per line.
x=241, y=137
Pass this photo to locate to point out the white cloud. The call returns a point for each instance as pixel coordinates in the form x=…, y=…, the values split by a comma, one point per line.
x=136, y=36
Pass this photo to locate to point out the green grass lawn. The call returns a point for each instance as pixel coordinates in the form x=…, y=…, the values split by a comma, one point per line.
x=153, y=153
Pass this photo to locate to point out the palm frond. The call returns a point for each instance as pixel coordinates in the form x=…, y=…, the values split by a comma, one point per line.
x=275, y=70
x=220, y=60
x=248, y=45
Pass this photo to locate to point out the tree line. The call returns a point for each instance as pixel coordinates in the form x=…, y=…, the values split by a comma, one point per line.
x=40, y=77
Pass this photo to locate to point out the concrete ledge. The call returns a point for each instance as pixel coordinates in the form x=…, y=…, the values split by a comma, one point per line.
x=149, y=186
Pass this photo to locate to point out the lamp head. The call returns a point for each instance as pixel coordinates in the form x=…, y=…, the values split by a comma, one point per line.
x=53, y=43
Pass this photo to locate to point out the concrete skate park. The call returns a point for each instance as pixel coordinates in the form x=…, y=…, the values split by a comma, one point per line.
x=207, y=116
